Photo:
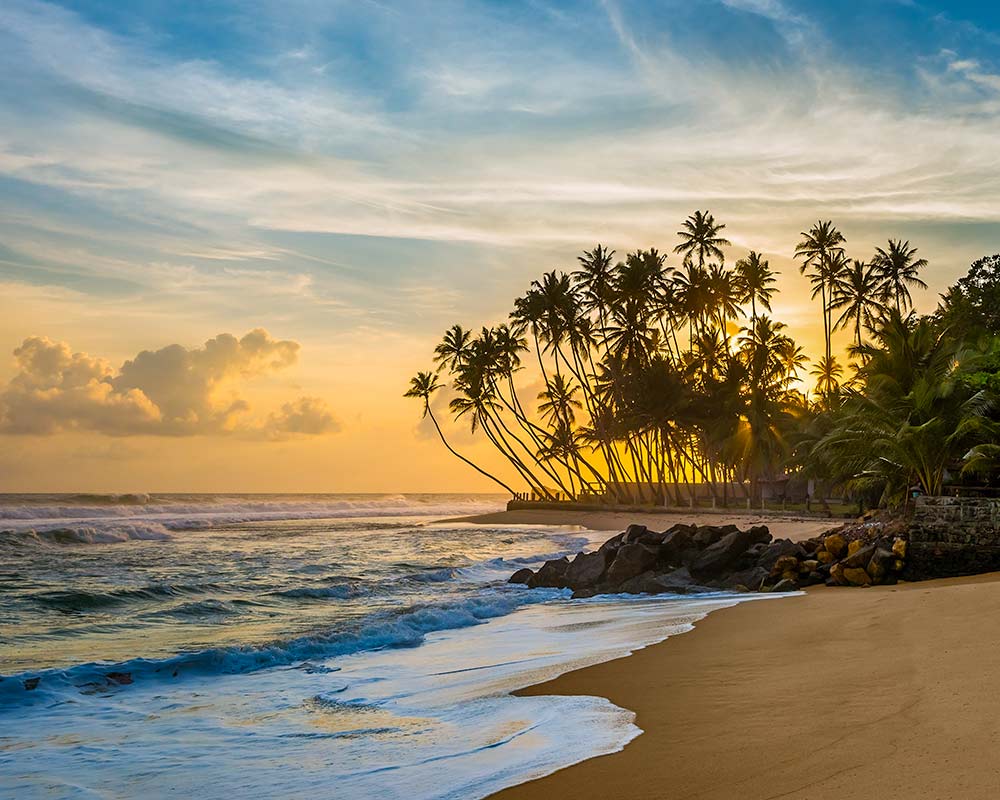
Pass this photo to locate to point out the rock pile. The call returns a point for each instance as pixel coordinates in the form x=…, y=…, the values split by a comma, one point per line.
x=688, y=559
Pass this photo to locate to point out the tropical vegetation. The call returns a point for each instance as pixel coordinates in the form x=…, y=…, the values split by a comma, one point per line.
x=635, y=378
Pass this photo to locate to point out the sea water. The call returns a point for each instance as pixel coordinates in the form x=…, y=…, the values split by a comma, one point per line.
x=318, y=646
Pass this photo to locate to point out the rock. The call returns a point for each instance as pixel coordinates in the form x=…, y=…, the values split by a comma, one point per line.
x=825, y=557
x=30, y=684
x=759, y=534
x=752, y=579
x=880, y=564
x=856, y=576
x=612, y=544
x=784, y=585
x=675, y=542
x=550, y=574
x=586, y=570
x=809, y=565
x=679, y=581
x=854, y=546
x=860, y=557
x=837, y=575
x=633, y=532
x=787, y=563
x=899, y=548
x=521, y=576
x=778, y=548
x=835, y=544
x=814, y=578
x=707, y=535
x=811, y=546
x=630, y=560
x=898, y=565
x=722, y=555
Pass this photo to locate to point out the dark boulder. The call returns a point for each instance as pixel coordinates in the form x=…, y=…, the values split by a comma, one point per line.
x=751, y=579
x=633, y=532
x=612, y=544
x=674, y=544
x=550, y=574
x=630, y=560
x=785, y=585
x=586, y=570
x=759, y=534
x=777, y=549
x=707, y=535
x=521, y=576
x=679, y=581
x=722, y=555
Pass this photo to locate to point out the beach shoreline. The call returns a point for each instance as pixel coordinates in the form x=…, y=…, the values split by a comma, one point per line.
x=782, y=526
x=885, y=691
x=835, y=693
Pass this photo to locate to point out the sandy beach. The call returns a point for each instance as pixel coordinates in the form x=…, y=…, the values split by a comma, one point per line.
x=787, y=526
x=885, y=692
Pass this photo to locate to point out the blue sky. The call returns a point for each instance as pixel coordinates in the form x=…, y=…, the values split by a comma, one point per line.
x=356, y=176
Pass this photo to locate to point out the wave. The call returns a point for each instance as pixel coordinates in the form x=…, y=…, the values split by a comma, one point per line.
x=85, y=534
x=143, y=518
x=82, y=600
x=405, y=628
x=342, y=592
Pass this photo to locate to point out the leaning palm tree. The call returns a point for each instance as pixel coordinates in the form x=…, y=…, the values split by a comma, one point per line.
x=756, y=279
x=857, y=292
x=897, y=267
x=819, y=246
x=700, y=239
x=422, y=386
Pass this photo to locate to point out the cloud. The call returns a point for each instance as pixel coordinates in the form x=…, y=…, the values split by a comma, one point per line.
x=307, y=415
x=173, y=391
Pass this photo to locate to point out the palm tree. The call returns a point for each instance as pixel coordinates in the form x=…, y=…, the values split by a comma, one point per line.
x=756, y=281
x=595, y=280
x=857, y=291
x=915, y=415
x=559, y=402
x=453, y=350
x=818, y=248
x=828, y=374
x=422, y=386
x=897, y=268
x=700, y=237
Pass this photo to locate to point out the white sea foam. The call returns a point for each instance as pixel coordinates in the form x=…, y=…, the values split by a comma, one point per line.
x=435, y=722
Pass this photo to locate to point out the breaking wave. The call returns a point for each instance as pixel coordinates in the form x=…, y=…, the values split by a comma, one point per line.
x=406, y=628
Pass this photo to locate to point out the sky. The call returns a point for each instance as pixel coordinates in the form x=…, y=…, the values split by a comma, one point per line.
x=231, y=231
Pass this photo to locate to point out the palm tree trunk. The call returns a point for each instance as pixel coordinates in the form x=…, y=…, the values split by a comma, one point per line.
x=427, y=407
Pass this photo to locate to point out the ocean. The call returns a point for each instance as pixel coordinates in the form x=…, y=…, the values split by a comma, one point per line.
x=320, y=646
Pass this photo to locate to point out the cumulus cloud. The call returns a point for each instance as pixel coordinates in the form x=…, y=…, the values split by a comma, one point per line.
x=307, y=415
x=174, y=391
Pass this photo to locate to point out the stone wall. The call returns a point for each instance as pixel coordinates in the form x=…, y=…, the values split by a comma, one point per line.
x=954, y=536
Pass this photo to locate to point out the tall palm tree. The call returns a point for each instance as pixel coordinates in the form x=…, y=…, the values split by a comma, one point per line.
x=595, y=280
x=453, y=351
x=827, y=373
x=756, y=281
x=897, y=268
x=422, y=386
x=857, y=292
x=819, y=246
x=701, y=239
